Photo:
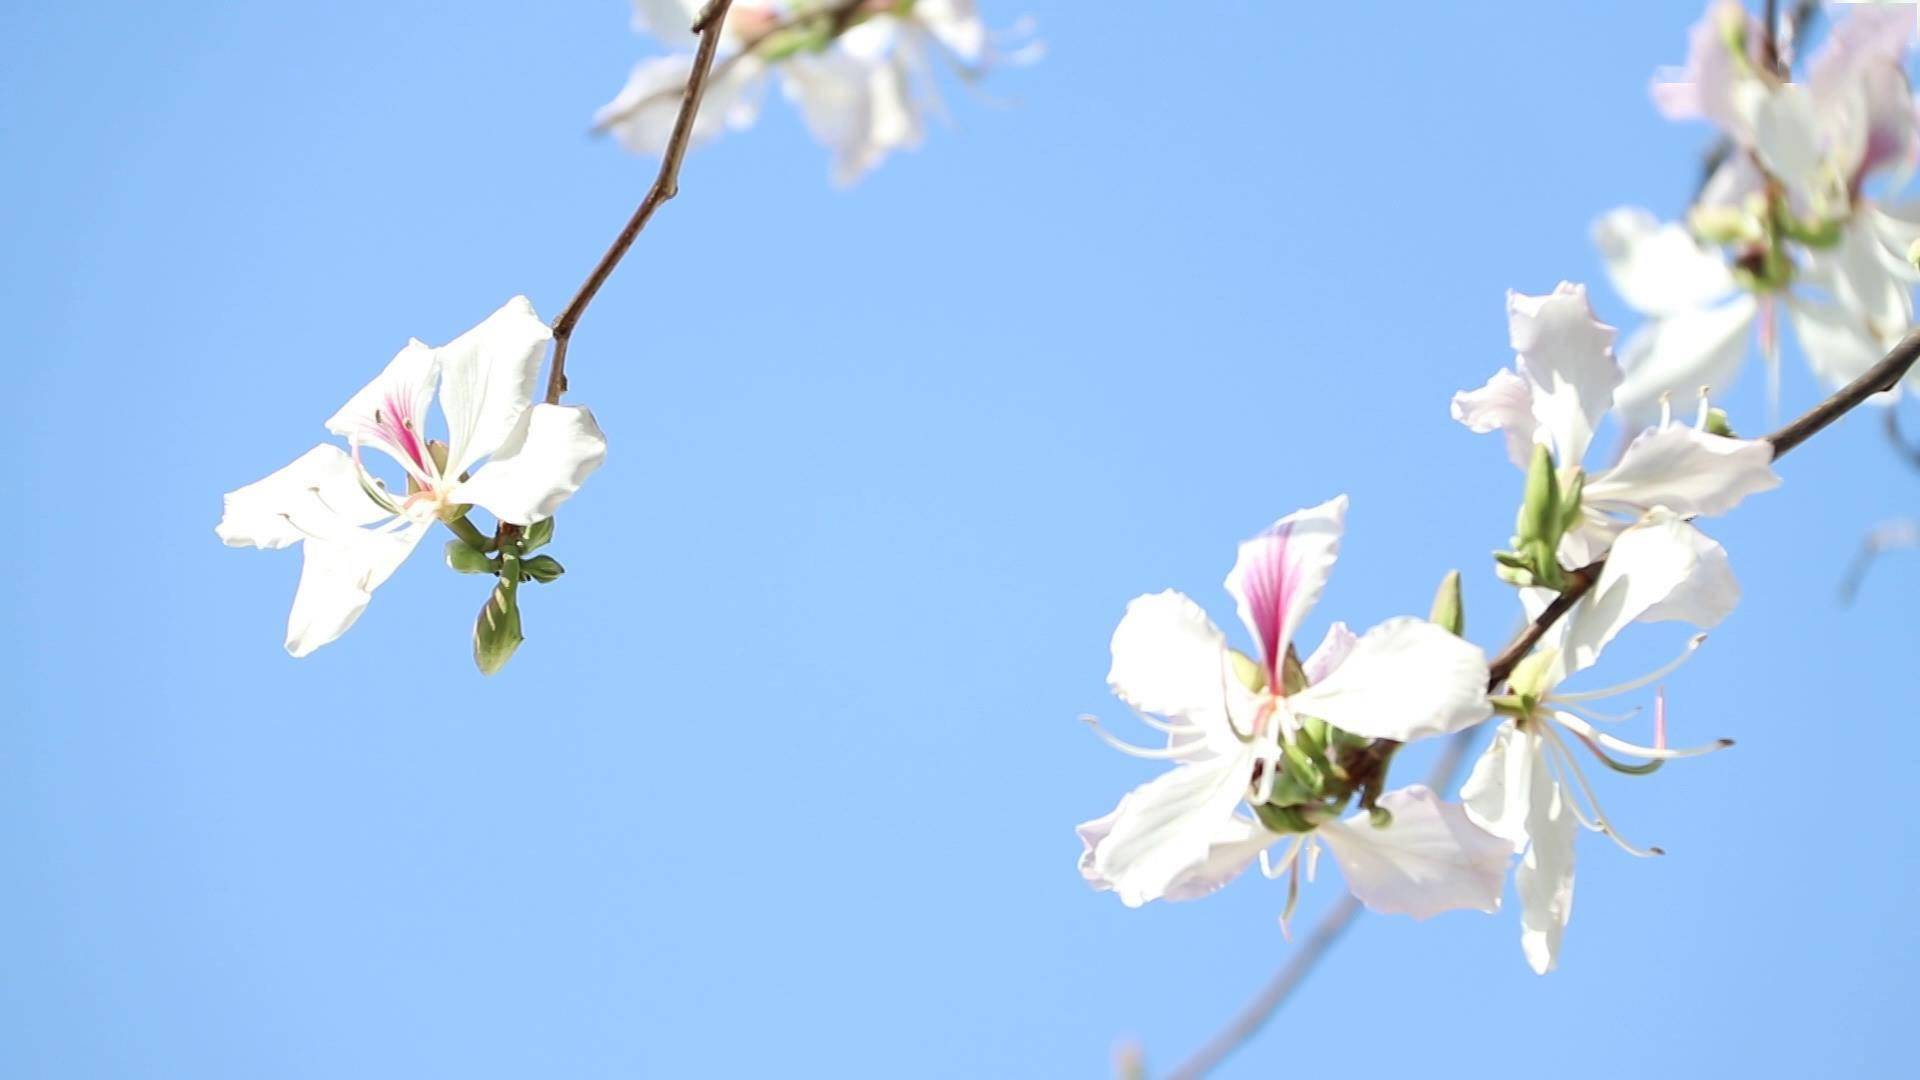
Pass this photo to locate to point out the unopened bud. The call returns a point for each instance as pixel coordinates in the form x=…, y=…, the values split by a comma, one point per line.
x=1529, y=678
x=1248, y=670
x=1539, y=516
x=1379, y=817
x=1722, y=224
x=1717, y=424
x=1449, y=611
x=464, y=558
x=496, y=633
x=541, y=568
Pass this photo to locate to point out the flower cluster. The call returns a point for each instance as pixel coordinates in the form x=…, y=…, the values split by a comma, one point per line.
x=861, y=72
x=1271, y=750
x=1788, y=221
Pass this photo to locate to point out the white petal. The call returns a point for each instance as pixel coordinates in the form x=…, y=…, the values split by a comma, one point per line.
x=1404, y=679
x=957, y=25
x=401, y=393
x=486, y=381
x=1788, y=140
x=669, y=22
x=542, y=463
x=1544, y=879
x=1866, y=281
x=318, y=494
x=1567, y=356
x=1163, y=830
x=1498, y=794
x=1681, y=353
x=1659, y=268
x=1839, y=345
x=858, y=108
x=1235, y=845
x=642, y=116
x=1504, y=404
x=1279, y=575
x=1431, y=859
x=1169, y=658
x=338, y=577
x=1687, y=471
x=1333, y=651
x=1661, y=568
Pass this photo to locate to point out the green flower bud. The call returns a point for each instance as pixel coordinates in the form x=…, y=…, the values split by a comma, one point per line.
x=1248, y=670
x=537, y=535
x=1529, y=678
x=1717, y=424
x=1379, y=817
x=496, y=633
x=1540, y=510
x=1819, y=235
x=541, y=568
x=1293, y=676
x=1723, y=225
x=1283, y=819
x=465, y=559
x=1571, y=489
x=1449, y=611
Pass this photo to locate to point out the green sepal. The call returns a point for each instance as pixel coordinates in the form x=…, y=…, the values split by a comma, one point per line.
x=1283, y=819
x=536, y=536
x=1449, y=610
x=464, y=558
x=1717, y=424
x=541, y=568
x=1249, y=671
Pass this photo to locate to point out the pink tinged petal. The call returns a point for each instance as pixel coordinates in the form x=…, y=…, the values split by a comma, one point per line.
x=1498, y=793
x=1566, y=355
x=1164, y=830
x=1858, y=77
x=1708, y=87
x=1405, y=679
x=1686, y=470
x=395, y=402
x=1504, y=404
x=319, y=494
x=541, y=464
x=1679, y=354
x=337, y=578
x=642, y=116
x=1544, y=879
x=1660, y=569
x=1333, y=651
x=486, y=381
x=1839, y=345
x=1659, y=268
x=1431, y=859
x=1279, y=575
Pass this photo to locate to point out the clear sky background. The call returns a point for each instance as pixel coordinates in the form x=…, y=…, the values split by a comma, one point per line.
x=784, y=780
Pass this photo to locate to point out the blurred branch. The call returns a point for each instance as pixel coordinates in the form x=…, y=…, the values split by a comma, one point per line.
x=1899, y=440
x=1882, y=376
x=1888, y=536
x=666, y=185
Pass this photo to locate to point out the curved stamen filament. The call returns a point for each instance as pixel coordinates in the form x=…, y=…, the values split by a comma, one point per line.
x=1271, y=869
x=1592, y=734
x=1634, y=684
x=1131, y=750
x=1599, y=822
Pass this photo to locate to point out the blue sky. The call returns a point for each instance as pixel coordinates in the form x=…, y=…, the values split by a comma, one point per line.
x=785, y=777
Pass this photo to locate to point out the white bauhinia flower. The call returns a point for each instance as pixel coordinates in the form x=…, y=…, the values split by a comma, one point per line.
x=1528, y=787
x=517, y=460
x=1803, y=237
x=1182, y=834
x=863, y=83
x=1561, y=386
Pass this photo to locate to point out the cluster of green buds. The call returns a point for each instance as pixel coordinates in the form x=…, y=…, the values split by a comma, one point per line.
x=1322, y=769
x=508, y=557
x=1550, y=507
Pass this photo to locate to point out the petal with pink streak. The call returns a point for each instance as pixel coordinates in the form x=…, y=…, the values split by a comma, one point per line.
x=1280, y=573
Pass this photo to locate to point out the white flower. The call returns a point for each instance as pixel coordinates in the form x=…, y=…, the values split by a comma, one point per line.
x=863, y=93
x=1802, y=155
x=1562, y=384
x=1527, y=787
x=355, y=530
x=1181, y=835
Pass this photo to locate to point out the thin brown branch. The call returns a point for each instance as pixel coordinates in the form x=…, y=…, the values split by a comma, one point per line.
x=1882, y=376
x=665, y=186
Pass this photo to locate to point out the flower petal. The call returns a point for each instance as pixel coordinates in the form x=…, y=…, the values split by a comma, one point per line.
x=1868, y=282
x=1404, y=679
x=859, y=108
x=1686, y=470
x=1333, y=651
x=318, y=494
x=1681, y=353
x=337, y=578
x=1659, y=268
x=1567, y=356
x=1709, y=86
x=1840, y=347
x=1236, y=845
x=1660, y=569
x=541, y=464
x=486, y=381
x=1504, y=404
x=1431, y=859
x=642, y=115
x=1279, y=575
x=1498, y=793
x=1164, y=830
x=1168, y=657
x=1544, y=879
x=391, y=411
x=669, y=22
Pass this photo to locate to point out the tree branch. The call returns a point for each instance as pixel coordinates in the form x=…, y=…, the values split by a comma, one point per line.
x=665, y=186
x=1882, y=376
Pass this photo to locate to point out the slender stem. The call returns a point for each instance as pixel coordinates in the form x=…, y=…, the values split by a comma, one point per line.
x=665, y=186
x=1884, y=375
